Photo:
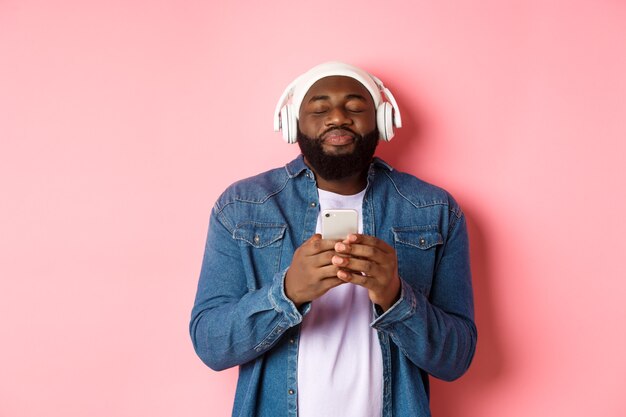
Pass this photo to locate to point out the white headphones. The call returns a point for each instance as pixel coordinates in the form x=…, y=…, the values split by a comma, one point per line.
x=288, y=106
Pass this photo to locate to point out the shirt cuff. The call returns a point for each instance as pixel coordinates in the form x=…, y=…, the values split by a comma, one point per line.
x=281, y=303
x=403, y=308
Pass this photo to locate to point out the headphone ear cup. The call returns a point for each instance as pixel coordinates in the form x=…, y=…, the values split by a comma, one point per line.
x=384, y=121
x=289, y=124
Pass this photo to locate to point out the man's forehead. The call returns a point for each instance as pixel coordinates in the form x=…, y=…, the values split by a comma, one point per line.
x=338, y=84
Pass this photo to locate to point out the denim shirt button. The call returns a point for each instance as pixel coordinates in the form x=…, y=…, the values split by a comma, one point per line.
x=291, y=341
x=291, y=392
x=257, y=239
x=313, y=204
x=422, y=241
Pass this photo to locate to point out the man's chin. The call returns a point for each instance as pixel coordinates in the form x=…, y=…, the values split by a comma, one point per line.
x=332, y=150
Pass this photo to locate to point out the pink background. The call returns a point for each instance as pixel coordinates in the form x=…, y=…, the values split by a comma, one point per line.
x=122, y=121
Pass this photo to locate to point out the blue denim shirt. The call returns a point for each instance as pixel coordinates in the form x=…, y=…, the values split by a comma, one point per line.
x=241, y=316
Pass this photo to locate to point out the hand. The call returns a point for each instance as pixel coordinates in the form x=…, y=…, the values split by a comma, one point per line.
x=372, y=264
x=311, y=273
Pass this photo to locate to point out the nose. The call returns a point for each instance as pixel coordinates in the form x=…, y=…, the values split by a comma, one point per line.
x=338, y=116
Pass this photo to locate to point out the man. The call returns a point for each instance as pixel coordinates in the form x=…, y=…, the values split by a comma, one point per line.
x=322, y=327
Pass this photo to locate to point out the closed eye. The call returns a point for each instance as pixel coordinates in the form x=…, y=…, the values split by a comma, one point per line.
x=319, y=110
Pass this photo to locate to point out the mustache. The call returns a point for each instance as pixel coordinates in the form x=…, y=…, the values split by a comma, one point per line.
x=340, y=131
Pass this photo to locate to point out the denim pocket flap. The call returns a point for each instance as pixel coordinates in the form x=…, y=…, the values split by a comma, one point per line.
x=259, y=235
x=422, y=237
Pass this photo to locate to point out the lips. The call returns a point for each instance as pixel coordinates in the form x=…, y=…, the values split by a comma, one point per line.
x=338, y=137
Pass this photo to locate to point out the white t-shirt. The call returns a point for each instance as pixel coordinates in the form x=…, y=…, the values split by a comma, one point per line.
x=340, y=370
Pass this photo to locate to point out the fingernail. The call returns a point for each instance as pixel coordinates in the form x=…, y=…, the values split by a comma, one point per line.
x=340, y=247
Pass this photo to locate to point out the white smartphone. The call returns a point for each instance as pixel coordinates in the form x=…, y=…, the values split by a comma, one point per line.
x=339, y=223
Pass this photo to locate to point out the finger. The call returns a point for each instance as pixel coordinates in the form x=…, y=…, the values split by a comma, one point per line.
x=343, y=247
x=331, y=282
x=315, y=244
x=366, y=247
x=372, y=253
x=326, y=272
x=356, y=278
x=319, y=260
x=340, y=261
x=368, y=240
x=356, y=265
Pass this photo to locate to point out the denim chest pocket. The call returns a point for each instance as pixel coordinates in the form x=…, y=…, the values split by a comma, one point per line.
x=416, y=248
x=260, y=235
x=261, y=248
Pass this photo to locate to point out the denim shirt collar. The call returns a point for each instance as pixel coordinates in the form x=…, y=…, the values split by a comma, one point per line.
x=297, y=166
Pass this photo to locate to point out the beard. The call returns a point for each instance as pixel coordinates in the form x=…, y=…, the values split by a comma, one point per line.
x=336, y=167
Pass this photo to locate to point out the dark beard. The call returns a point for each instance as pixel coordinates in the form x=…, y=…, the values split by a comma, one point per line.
x=336, y=167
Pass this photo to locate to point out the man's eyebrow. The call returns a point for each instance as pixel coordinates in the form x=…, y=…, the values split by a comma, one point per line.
x=348, y=97
x=356, y=96
x=318, y=98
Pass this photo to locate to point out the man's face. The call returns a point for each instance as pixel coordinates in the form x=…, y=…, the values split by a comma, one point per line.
x=337, y=127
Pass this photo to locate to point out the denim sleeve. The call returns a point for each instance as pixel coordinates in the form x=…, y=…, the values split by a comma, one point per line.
x=230, y=324
x=437, y=333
